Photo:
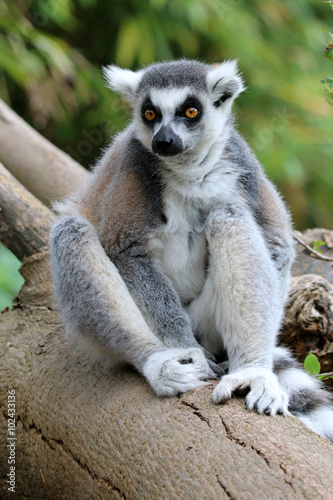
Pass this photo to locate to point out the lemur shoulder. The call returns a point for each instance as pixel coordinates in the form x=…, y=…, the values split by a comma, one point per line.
x=175, y=255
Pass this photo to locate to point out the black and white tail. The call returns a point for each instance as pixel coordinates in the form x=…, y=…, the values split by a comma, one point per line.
x=308, y=400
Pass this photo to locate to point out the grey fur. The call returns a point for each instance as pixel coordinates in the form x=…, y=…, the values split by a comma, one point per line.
x=168, y=259
x=155, y=296
x=175, y=74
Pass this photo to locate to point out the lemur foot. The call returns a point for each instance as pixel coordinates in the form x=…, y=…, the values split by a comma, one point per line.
x=175, y=371
x=265, y=394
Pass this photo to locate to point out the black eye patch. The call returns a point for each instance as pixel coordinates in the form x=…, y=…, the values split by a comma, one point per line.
x=191, y=103
x=148, y=106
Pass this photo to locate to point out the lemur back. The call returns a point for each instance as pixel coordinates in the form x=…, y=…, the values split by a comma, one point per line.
x=176, y=253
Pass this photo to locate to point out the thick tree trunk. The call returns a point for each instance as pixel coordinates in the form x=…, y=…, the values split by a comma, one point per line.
x=85, y=431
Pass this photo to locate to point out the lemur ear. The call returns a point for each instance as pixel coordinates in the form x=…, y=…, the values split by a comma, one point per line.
x=123, y=81
x=224, y=82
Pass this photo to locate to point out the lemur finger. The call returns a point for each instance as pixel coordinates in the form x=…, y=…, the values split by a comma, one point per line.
x=254, y=396
x=223, y=391
x=273, y=405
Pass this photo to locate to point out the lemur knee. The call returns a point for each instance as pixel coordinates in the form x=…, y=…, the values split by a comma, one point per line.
x=70, y=229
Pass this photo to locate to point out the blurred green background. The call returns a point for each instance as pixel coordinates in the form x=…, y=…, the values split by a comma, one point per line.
x=51, y=52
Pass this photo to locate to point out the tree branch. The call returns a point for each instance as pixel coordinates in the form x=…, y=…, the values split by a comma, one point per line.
x=314, y=253
x=24, y=221
x=46, y=171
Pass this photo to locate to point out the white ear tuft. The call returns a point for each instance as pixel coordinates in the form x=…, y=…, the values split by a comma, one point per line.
x=123, y=81
x=224, y=82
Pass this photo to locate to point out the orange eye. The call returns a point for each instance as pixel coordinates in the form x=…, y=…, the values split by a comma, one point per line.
x=191, y=112
x=149, y=114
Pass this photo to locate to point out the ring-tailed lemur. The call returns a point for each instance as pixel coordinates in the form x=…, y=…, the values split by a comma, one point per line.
x=177, y=250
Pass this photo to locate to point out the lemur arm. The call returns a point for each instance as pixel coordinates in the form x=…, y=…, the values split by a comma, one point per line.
x=250, y=306
x=265, y=204
x=251, y=252
x=157, y=300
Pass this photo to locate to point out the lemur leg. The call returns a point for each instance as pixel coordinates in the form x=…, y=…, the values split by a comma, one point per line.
x=242, y=303
x=95, y=302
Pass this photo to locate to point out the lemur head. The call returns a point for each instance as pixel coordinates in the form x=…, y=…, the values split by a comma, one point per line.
x=180, y=107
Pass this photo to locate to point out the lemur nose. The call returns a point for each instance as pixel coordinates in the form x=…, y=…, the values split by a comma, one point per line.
x=167, y=143
x=163, y=145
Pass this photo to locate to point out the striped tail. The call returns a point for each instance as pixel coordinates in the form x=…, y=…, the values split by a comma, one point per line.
x=308, y=400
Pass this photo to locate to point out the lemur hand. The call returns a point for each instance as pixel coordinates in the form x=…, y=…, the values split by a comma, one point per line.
x=265, y=394
x=174, y=371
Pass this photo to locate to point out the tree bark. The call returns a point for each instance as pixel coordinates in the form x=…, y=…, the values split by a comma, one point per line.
x=47, y=172
x=87, y=431
x=24, y=221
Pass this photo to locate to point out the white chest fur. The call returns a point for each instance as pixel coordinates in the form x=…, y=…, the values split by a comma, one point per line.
x=180, y=246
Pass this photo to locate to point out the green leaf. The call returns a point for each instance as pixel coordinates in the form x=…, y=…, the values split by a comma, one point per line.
x=311, y=364
x=317, y=244
x=11, y=280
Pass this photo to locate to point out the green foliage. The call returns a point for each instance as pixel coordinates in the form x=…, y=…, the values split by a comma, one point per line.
x=10, y=279
x=328, y=52
x=317, y=244
x=312, y=366
x=328, y=82
x=51, y=52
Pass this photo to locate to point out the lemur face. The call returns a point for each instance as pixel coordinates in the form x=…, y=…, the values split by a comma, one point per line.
x=171, y=121
x=180, y=106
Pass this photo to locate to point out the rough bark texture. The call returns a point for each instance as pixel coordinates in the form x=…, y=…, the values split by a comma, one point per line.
x=86, y=432
x=42, y=168
x=24, y=221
